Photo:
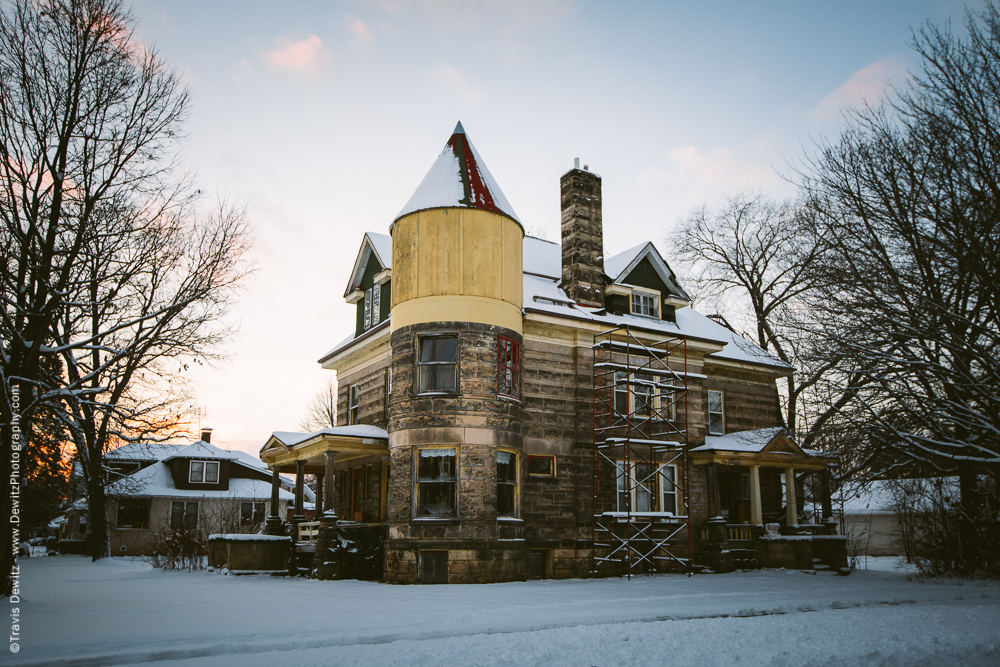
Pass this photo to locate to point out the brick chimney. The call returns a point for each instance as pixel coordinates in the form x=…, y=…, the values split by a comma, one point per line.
x=582, y=236
x=206, y=435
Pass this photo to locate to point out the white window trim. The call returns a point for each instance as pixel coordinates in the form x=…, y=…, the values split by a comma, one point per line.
x=204, y=472
x=376, y=303
x=658, y=396
x=721, y=413
x=353, y=404
x=654, y=295
x=368, y=309
x=659, y=492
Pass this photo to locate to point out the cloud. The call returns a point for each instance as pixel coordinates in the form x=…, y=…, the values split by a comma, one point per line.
x=305, y=56
x=451, y=79
x=866, y=85
x=360, y=33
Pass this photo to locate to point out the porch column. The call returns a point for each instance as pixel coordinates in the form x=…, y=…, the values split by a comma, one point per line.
x=756, y=514
x=331, y=485
x=274, y=524
x=300, y=473
x=319, y=496
x=712, y=480
x=792, y=504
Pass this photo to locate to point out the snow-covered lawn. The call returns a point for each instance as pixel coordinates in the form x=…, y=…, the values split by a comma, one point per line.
x=121, y=612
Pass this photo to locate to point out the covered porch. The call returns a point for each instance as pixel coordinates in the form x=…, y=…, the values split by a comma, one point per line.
x=351, y=467
x=757, y=513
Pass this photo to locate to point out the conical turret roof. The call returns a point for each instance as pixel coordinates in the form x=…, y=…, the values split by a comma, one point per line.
x=459, y=178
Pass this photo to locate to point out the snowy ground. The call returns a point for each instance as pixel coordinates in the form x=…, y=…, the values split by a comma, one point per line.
x=120, y=612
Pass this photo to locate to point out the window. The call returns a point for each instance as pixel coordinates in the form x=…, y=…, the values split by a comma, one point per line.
x=368, y=309
x=83, y=524
x=204, y=472
x=541, y=466
x=437, y=364
x=648, y=487
x=437, y=483
x=508, y=367
x=352, y=409
x=640, y=403
x=646, y=304
x=133, y=513
x=251, y=514
x=506, y=484
x=183, y=515
x=376, y=303
x=716, y=413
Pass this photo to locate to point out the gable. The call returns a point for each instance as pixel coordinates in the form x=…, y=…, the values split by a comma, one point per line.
x=375, y=248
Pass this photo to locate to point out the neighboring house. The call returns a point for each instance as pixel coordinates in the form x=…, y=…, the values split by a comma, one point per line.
x=871, y=522
x=510, y=407
x=156, y=486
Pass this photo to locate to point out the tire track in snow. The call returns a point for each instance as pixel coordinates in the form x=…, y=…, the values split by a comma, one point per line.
x=230, y=648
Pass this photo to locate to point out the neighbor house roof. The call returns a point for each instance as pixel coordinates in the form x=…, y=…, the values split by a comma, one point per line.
x=201, y=450
x=459, y=178
x=156, y=481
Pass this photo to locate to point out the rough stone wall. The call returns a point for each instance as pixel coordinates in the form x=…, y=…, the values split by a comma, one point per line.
x=582, y=237
x=371, y=401
x=750, y=400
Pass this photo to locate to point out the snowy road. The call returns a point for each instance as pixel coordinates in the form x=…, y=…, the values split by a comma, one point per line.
x=119, y=612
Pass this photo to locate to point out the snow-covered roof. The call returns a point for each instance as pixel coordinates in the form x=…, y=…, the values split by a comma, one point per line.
x=877, y=498
x=201, y=450
x=544, y=295
x=741, y=441
x=143, y=451
x=291, y=438
x=378, y=244
x=156, y=481
x=459, y=178
x=541, y=257
x=619, y=266
x=249, y=460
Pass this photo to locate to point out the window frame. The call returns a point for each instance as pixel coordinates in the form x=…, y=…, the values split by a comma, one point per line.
x=203, y=477
x=376, y=304
x=418, y=364
x=515, y=511
x=552, y=467
x=657, y=493
x=368, y=309
x=146, y=502
x=453, y=480
x=654, y=301
x=508, y=363
x=186, y=511
x=255, y=518
x=353, y=403
x=721, y=412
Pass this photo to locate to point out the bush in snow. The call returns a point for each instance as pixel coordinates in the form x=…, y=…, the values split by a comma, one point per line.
x=179, y=549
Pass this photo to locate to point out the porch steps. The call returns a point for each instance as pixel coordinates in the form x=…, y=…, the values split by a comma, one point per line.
x=819, y=565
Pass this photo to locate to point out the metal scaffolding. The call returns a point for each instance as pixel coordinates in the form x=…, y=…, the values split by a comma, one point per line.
x=641, y=518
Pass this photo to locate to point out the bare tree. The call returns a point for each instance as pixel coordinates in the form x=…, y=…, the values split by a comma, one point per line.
x=752, y=260
x=909, y=203
x=322, y=410
x=106, y=266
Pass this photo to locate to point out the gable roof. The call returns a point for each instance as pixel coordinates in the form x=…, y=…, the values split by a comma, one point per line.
x=619, y=266
x=202, y=450
x=459, y=178
x=379, y=245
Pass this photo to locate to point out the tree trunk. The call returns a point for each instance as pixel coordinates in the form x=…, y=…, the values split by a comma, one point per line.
x=970, y=506
x=97, y=511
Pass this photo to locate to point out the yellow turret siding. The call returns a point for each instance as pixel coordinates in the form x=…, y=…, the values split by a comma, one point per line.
x=457, y=265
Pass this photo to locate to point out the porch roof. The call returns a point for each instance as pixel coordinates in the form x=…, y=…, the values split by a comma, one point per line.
x=769, y=447
x=284, y=448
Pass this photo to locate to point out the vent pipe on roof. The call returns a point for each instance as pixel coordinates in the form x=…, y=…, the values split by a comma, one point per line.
x=576, y=163
x=206, y=435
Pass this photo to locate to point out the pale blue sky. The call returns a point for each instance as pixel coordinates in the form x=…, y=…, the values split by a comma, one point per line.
x=323, y=118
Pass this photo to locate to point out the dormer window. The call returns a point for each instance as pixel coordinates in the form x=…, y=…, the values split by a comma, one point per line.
x=646, y=304
x=204, y=472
